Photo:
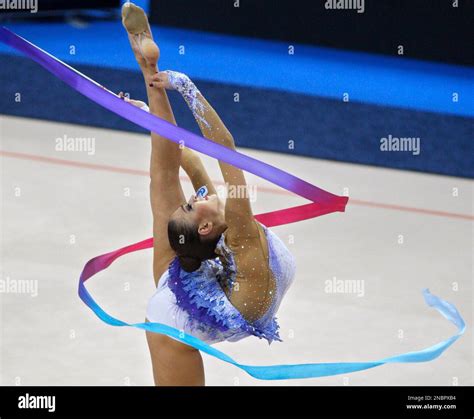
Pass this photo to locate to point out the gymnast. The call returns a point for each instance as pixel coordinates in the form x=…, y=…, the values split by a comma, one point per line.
x=220, y=274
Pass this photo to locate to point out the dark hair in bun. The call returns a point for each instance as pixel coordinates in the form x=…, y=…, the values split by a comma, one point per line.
x=190, y=247
x=189, y=264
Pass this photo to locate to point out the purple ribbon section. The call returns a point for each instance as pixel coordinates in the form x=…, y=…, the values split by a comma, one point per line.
x=112, y=102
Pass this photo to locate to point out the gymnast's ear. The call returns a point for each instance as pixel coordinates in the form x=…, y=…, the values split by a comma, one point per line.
x=205, y=228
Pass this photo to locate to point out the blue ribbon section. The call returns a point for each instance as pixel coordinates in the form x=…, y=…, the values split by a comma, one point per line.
x=268, y=372
x=294, y=371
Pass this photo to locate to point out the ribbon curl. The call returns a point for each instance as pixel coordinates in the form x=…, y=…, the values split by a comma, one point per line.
x=322, y=202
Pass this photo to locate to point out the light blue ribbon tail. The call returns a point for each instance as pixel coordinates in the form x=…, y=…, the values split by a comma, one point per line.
x=295, y=371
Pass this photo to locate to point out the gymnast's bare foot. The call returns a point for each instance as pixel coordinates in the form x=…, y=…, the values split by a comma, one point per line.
x=145, y=49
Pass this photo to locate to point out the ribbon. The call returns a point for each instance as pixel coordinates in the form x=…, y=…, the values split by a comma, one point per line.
x=322, y=202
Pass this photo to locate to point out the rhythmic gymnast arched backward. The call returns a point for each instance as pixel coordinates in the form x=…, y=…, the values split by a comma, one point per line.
x=196, y=299
x=220, y=274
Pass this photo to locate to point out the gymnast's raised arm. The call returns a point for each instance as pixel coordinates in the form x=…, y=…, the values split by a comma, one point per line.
x=238, y=211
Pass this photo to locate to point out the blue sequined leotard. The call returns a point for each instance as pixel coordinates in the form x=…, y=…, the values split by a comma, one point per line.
x=195, y=302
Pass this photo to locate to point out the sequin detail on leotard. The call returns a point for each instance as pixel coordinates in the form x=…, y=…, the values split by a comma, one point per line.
x=201, y=294
x=183, y=84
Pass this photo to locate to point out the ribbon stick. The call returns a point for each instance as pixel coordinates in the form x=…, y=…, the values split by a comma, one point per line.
x=322, y=202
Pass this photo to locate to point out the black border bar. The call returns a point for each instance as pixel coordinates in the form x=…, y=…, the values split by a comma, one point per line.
x=227, y=401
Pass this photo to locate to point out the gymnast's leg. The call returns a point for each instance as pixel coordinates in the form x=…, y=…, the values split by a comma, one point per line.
x=174, y=363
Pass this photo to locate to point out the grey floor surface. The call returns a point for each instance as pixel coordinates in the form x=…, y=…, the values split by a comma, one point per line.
x=402, y=232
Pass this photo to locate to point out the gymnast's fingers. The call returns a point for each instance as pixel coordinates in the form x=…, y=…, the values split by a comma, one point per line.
x=158, y=76
x=160, y=80
x=158, y=84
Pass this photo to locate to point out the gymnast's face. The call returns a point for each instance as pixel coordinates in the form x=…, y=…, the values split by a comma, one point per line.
x=206, y=213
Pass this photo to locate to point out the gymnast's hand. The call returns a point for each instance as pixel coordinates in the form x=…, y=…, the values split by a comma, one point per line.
x=161, y=80
x=137, y=103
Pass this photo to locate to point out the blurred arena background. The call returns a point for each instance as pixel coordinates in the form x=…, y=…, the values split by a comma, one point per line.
x=301, y=85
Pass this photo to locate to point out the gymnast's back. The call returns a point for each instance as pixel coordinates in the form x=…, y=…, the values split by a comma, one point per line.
x=218, y=301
